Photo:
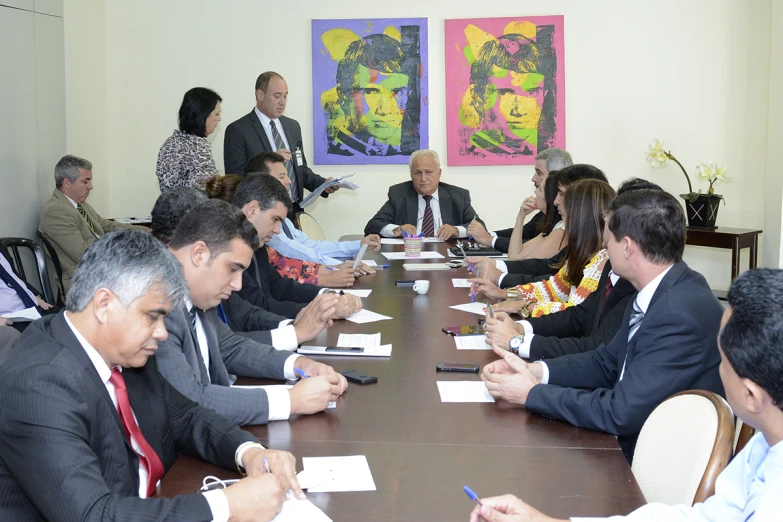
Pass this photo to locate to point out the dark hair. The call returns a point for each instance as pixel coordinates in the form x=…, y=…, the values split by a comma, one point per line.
x=379, y=52
x=196, y=107
x=258, y=162
x=585, y=203
x=169, y=209
x=262, y=82
x=223, y=187
x=551, y=216
x=654, y=220
x=263, y=188
x=752, y=338
x=216, y=223
x=574, y=173
x=636, y=184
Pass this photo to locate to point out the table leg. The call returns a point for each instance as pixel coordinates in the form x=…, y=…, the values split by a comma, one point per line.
x=735, y=258
x=754, y=250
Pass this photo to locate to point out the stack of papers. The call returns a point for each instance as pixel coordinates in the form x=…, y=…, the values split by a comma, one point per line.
x=401, y=255
x=464, y=391
x=336, y=182
x=23, y=316
x=474, y=308
x=362, y=340
x=471, y=342
x=366, y=316
x=426, y=266
x=460, y=283
x=329, y=474
x=372, y=351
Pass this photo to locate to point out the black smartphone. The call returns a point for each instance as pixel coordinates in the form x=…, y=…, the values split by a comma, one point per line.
x=405, y=283
x=359, y=377
x=462, y=330
x=457, y=367
x=339, y=349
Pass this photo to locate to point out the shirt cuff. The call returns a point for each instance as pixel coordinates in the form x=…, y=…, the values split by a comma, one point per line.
x=494, y=238
x=279, y=402
x=527, y=326
x=545, y=375
x=388, y=230
x=500, y=280
x=284, y=338
x=501, y=265
x=242, y=449
x=218, y=505
x=462, y=232
x=524, y=349
x=288, y=370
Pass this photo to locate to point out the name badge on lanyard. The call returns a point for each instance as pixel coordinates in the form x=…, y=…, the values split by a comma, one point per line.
x=299, y=160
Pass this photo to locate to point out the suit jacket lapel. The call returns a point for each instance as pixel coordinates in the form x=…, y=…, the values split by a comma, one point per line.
x=256, y=123
x=288, y=128
x=412, y=207
x=446, y=206
x=217, y=370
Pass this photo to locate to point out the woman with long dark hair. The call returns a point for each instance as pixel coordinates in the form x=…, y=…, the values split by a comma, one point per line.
x=551, y=238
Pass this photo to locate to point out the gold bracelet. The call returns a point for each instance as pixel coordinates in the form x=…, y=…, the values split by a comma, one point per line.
x=512, y=294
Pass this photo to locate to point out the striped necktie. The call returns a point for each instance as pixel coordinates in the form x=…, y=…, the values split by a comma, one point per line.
x=289, y=165
x=90, y=224
x=428, y=221
x=633, y=325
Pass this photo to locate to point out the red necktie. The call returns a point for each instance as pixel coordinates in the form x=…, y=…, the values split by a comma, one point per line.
x=428, y=221
x=150, y=459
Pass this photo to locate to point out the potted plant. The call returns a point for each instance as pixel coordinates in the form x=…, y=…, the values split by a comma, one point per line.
x=701, y=209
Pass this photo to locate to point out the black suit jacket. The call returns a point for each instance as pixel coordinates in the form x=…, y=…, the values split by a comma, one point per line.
x=529, y=231
x=249, y=320
x=530, y=270
x=674, y=349
x=263, y=286
x=402, y=207
x=64, y=454
x=246, y=137
x=572, y=330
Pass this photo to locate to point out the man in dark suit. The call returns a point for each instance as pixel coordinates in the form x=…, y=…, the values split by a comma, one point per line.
x=88, y=424
x=265, y=129
x=265, y=203
x=666, y=344
x=424, y=205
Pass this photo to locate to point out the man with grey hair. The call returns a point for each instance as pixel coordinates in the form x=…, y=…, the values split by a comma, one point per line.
x=424, y=205
x=547, y=161
x=90, y=426
x=68, y=222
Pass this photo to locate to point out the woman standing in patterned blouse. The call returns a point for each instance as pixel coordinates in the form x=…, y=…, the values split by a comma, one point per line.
x=185, y=159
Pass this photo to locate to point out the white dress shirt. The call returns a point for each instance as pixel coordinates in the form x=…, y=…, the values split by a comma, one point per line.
x=9, y=299
x=265, y=123
x=388, y=230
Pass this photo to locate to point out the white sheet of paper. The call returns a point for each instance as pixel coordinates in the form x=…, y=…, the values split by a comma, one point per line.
x=366, y=316
x=474, y=308
x=430, y=254
x=460, y=283
x=339, y=473
x=330, y=406
x=431, y=240
x=296, y=510
x=23, y=316
x=373, y=351
x=369, y=262
x=464, y=391
x=427, y=267
x=452, y=254
x=392, y=241
x=363, y=340
x=356, y=292
x=471, y=342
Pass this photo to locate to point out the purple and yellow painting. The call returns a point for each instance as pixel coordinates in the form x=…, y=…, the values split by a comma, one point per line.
x=505, y=89
x=369, y=90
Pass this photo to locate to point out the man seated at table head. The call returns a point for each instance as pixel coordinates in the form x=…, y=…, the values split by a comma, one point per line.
x=751, y=362
x=214, y=242
x=424, y=205
x=68, y=222
x=88, y=424
x=265, y=203
x=666, y=344
x=294, y=243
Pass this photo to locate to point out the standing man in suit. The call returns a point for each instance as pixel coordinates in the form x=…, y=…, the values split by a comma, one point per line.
x=666, y=344
x=265, y=129
x=424, y=205
x=68, y=222
x=214, y=242
x=88, y=424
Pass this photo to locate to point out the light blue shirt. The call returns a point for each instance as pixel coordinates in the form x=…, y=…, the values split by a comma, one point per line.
x=749, y=489
x=306, y=249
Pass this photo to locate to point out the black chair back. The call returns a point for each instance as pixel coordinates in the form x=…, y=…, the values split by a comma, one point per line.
x=11, y=246
x=58, y=270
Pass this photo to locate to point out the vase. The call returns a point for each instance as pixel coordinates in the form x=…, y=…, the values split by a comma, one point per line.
x=703, y=212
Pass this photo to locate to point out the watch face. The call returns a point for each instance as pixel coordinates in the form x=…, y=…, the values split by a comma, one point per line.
x=515, y=343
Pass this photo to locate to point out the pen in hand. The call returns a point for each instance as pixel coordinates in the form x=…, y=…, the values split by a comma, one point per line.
x=266, y=467
x=301, y=374
x=469, y=492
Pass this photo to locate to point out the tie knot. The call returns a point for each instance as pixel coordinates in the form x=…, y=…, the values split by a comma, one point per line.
x=116, y=378
x=427, y=198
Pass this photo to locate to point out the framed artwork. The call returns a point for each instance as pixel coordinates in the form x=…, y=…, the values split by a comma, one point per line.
x=369, y=90
x=505, y=89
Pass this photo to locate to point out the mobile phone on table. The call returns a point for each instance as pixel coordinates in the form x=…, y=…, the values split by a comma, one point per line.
x=457, y=367
x=405, y=283
x=462, y=330
x=348, y=350
x=359, y=377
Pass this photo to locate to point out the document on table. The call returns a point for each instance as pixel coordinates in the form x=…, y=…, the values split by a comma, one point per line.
x=460, y=283
x=471, y=342
x=464, y=391
x=372, y=351
x=329, y=474
x=356, y=292
x=330, y=406
x=430, y=254
x=392, y=241
x=369, y=262
x=426, y=266
x=23, y=316
x=296, y=510
x=474, y=308
x=362, y=340
x=366, y=316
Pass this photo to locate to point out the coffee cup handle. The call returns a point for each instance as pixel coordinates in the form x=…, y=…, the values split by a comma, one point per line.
x=415, y=287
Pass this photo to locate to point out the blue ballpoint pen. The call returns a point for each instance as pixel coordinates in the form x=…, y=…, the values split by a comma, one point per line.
x=301, y=374
x=469, y=492
x=331, y=267
x=383, y=266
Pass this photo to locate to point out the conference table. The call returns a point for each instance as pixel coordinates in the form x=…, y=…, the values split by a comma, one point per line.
x=420, y=450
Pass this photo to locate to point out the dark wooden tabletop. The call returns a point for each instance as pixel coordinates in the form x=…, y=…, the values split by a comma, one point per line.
x=421, y=451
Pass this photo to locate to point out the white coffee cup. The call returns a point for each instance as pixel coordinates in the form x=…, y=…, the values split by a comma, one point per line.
x=422, y=286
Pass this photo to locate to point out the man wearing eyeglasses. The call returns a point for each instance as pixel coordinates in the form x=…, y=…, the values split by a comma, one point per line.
x=424, y=205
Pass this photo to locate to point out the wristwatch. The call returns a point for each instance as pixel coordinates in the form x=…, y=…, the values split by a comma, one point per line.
x=512, y=294
x=516, y=343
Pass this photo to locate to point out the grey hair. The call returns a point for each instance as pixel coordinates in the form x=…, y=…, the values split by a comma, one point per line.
x=556, y=159
x=421, y=154
x=169, y=209
x=128, y=263
x=68, y=167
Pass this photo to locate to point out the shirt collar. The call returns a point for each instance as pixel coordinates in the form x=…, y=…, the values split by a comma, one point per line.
x=75, y=205
x=434, y=196
x=264, y=119
x=645, y=295
x=613, y=277
x=104, y=372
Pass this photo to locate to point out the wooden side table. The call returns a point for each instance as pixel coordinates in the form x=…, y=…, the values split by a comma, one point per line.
x=725, y=237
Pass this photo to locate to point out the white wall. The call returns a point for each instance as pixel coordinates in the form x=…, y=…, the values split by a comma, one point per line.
x=773, y=228
x=695, y=74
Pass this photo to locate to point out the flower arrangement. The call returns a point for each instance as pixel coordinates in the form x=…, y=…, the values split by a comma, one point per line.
x=714, y=174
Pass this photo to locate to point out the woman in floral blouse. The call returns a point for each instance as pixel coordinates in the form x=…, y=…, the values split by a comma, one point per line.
x=580, y=270
x=185, y=159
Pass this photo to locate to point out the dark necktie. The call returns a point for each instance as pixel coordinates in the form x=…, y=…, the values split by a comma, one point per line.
x=12, y=283
x=428, y=221
x=286, y=230
x=633, y=325
x=149, y=460
x=90, y=224
x=192, y=313
x=602, y=303
x=289, y=165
